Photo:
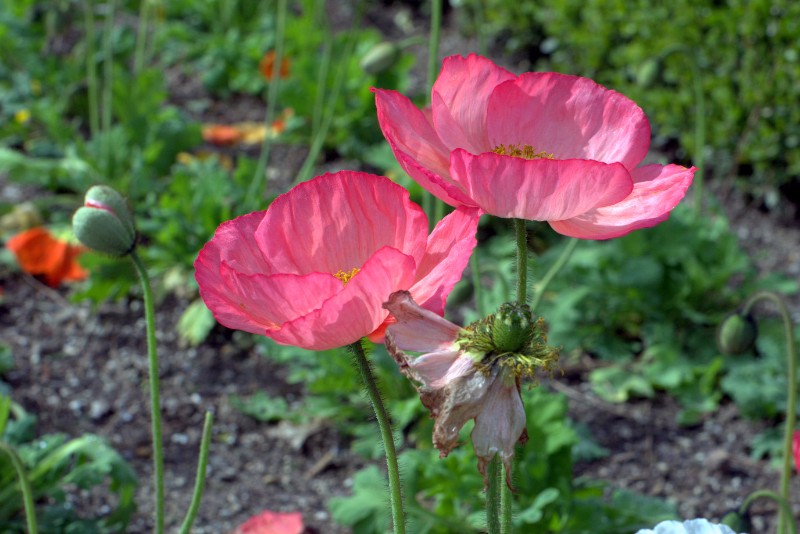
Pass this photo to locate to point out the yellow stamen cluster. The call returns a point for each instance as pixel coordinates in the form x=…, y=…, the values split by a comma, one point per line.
x=522, y=151
x=345, y=276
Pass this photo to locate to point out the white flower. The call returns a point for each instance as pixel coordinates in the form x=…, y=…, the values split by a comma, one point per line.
x=693, y=526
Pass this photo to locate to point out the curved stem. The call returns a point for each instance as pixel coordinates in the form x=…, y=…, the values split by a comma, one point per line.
x=791, y=397
x=553, y=271
x=522, y=260
x=493, y=498
x=25, y=487
x=200, y=478
x=155, y=403
x=783, y=504
x=385, y=425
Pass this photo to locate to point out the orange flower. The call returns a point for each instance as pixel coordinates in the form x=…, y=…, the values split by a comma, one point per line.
x=267, y=66
x=221, y=134
x=41, y=254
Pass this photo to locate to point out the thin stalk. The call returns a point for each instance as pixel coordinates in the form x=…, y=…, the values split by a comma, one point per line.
x=24, y=485
x=385, y=425
x=475, y=269
x=256, y=193
x=791, y=397
x=155, y=402
x=522, y=260
x=141, y=36
x=505, y=502
x=200, y=478
x=562, y=260
x=783, y=504
x=91, y=73
x=493, y=499
x=324, y=66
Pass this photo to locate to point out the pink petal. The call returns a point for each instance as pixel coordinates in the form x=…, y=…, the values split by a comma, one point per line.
x=657, y=190
x=449, y=248
x=437, y=369
x=268, y=522
x=269, y=300
x=460, y=98
x=796, y=449
x=416, y=146
x=233, y=243
x=355, y=311
x=335, y=222
x=418, y=329
x=539, y=189
x=569, y=116
x=500, y=424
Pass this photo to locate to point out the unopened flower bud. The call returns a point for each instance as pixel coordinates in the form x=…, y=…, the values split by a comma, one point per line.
x=379, y=58
x=737, y=334
x=512, y=327
x=105, y=223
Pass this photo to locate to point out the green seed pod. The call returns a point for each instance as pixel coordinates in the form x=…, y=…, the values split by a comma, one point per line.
x=512, y=327
x=737, y=334
x=105, y=223
x=379, y=58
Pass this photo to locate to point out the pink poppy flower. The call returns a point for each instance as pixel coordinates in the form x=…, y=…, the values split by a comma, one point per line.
x=540, y=146
x=314, y=268
x=461, y=379
x=796, y=449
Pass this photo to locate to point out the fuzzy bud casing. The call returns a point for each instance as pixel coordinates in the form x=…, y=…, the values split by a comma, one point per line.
x=737, y=334
x=512, y=327
x=105, y=223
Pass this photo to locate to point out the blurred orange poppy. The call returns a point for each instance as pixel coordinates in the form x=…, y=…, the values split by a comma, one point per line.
x=267, y=66
x=221, y=134
x=40, y=254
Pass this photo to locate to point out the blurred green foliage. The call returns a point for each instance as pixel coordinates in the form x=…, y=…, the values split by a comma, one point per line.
x=743, y=56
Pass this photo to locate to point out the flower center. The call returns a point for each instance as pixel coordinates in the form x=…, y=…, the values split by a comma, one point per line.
x=522, y=151
x=345, y=276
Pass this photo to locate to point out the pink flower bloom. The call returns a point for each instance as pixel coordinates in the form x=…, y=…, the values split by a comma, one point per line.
x=313, y=269
x=540, y=146
x=455, y=385
x=796, y=449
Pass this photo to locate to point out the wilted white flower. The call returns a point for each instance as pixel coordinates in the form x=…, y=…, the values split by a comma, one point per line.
x=693, y=526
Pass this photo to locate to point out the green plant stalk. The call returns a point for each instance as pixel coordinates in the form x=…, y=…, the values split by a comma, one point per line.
x=324, y=66
x=783, y=504
x=505, y=501
x=699, y=138
x=91, y=74
x=475, y=270
x=522, y=260
x=141, y=36
x=562, y=260
x=155, y=402
x=791, y=397
x=385, y=425
x=200, y=479
x=25, y=487
x=256, y=192
x=493, y=498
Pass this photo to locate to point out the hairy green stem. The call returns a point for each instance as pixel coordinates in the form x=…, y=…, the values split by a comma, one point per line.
x=783, y=504
x=155, y=402
x=506, y=499
x=562, y=260
x=385, y=425
x=522, y=260
x=791, y=396
x=200, y=478
x=24, y=485
x=493, y=498
x=256, y=191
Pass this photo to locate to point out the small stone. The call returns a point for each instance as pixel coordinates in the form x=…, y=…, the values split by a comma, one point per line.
x=99, y=409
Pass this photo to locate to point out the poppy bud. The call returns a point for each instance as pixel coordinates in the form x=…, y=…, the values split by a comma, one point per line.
x=737, y=334
x=738, y=522
x=105, y=223
x=512, y=327
x=379, y=58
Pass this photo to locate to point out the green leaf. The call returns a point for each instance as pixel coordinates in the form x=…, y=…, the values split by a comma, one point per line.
x=262, y=407
x=196, y=322
x=366, y=511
